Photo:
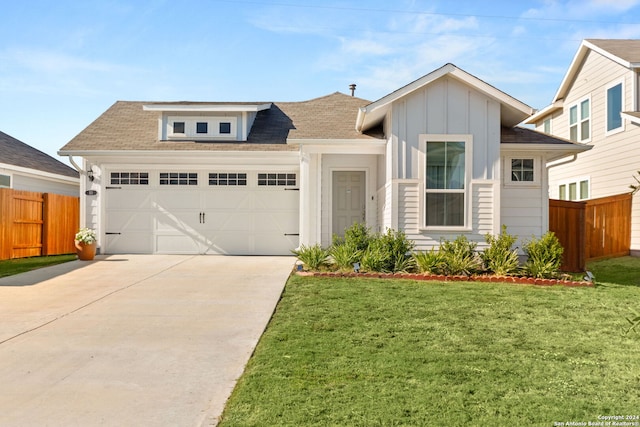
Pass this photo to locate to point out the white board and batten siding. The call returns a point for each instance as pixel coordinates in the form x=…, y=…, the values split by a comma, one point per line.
x=446, y=107
x=613, y=161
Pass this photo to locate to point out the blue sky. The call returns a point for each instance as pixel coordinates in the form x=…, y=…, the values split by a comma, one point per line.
x=64, y=62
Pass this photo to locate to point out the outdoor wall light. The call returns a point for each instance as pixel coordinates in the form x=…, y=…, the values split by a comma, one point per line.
x=90, y=175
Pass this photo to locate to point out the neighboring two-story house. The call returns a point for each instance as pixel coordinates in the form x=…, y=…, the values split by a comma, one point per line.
x=438, y=158
x=598, y=104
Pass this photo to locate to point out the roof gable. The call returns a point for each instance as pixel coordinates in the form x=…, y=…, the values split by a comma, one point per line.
x=512, y=110
x=17, y=153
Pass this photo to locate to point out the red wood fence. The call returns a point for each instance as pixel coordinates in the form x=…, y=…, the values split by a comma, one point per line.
x=35, y=224
x=592, y=229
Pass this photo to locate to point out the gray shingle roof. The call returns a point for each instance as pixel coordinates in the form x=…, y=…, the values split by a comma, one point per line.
x=126, y=126
x=627, y=50
x=17, y=153
x=520, y=135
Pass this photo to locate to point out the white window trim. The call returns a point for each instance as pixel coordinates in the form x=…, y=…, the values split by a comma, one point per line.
x=468, y=172
x=213, y=127
x=10, y=175
x=508, y=182
x=550, y=120
x=606, y=108
x=577, y=182
x=577, y=105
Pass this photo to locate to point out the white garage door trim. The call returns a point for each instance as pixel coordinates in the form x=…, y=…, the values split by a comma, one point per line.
x=218, y=211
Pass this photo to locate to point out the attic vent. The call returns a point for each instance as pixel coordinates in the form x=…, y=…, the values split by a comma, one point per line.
x=352, y=88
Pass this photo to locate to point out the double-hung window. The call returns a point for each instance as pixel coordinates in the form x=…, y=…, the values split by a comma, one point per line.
x=614, y=108
x=445, y=180
x=580, y=121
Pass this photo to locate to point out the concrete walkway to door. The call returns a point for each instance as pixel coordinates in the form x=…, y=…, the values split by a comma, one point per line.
x=130, y=340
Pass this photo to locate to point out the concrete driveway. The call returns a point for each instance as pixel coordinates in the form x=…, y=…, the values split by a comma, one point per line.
x=131, y=340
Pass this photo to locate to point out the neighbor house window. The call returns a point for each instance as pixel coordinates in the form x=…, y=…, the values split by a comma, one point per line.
x=522, y=170
x=129, y=178
x=580, y=121
x=614, y=108
x=574, y=190
x=445, y=178
x=227, y=178
x=546, y=125
x=5, y=181
x=202, y=127
x=277, y=179
x=178, y=178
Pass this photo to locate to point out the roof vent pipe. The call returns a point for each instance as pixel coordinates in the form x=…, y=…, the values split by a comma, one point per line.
x=352, y=88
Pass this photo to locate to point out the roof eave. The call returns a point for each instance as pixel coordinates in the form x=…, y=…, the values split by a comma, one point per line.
x=550, y=109
x=552, y=151
x=246, y=108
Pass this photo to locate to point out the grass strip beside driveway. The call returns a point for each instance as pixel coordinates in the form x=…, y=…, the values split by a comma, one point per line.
x=10, y=267
x=373, y=352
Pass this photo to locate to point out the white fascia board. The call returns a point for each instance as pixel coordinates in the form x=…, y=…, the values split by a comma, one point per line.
x=552, y=151
x=41, y=174
x=549, y=109
x=220, y=108
x=608, y=54
x=631, y=118
x=167, y=157
x=340, y=146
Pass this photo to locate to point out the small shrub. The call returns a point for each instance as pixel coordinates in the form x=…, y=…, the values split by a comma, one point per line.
x=460, y=257
x=499, y=258
x=389, y=252
x=544, y=256
x=431, y=262
x=375, y=257
x=313, y=257
x=358, y=236
x=344, y=255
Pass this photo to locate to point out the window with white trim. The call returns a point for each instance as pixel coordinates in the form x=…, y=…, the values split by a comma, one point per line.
x=446, y=174
x=522, y=170
x=227, y=178
x=546, y=126
x=574, y=190
x=201, y=127
x=178, y=178
x=129, y=178
x=614, y=108
x=5, y=181
x=580, y=121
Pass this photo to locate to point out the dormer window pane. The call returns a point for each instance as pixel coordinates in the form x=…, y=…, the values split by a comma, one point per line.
x=225, y=127
x=178, y=127
x=202, y=127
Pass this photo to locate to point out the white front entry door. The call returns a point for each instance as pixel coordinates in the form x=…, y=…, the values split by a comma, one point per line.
x=348, y=204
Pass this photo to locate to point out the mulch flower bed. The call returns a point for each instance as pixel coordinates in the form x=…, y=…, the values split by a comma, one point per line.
x=440, y=278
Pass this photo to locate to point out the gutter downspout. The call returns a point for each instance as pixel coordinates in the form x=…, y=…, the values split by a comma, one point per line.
x=362, y=112
x=75, y=165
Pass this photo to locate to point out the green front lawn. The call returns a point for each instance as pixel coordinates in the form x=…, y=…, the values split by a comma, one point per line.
x=371, y=352
x=10, y=267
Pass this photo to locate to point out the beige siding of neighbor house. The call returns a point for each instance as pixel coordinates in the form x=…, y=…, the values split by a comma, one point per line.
x=614, y=159
x=450, y=107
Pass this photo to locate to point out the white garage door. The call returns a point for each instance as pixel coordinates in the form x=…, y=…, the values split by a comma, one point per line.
x=238, y=213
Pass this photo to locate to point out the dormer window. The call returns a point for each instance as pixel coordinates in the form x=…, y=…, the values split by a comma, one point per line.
x=178, y=127
x=202, y=127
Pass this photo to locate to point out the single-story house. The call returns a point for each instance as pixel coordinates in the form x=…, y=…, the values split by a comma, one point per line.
x=25, y=168
x=437, y=158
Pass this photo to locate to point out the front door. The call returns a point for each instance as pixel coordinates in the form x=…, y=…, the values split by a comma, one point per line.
x=348, y=200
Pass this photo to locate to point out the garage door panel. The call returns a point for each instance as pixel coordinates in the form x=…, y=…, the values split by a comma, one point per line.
x=131, y=242
x=130, y=220
x=227, y=199
x=217, y=222
x=223, y=219
x=129, y=199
